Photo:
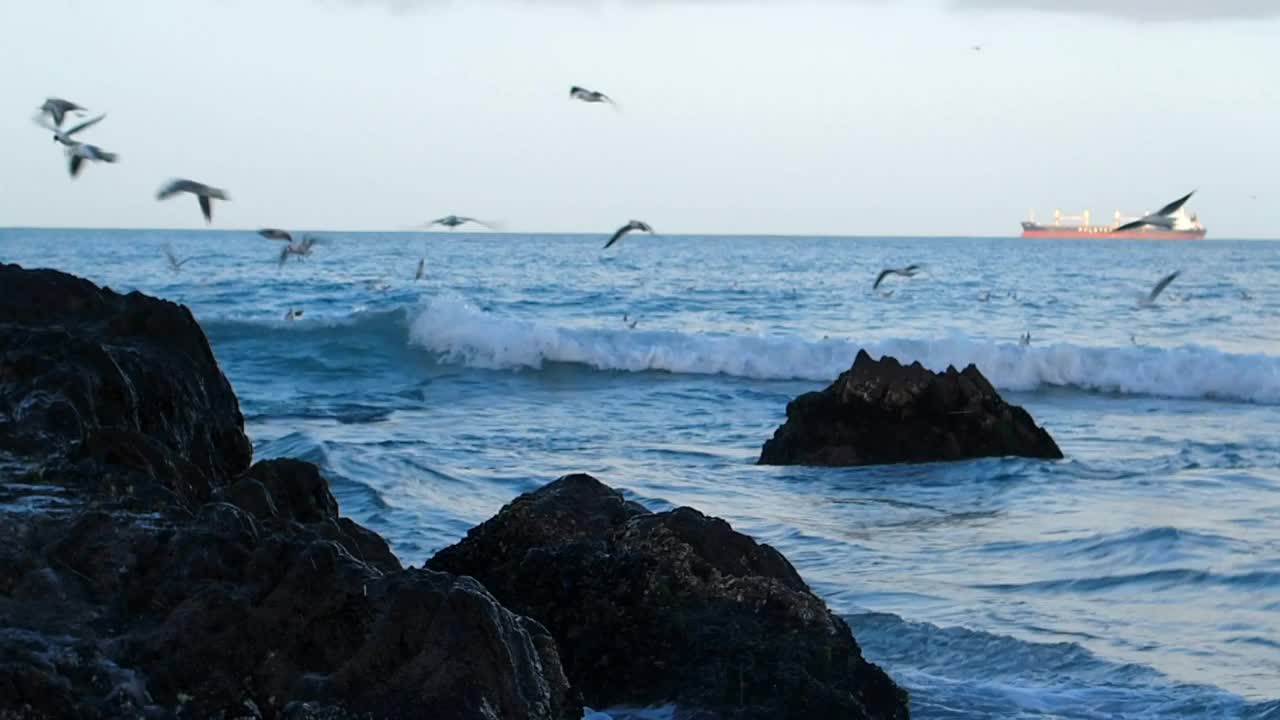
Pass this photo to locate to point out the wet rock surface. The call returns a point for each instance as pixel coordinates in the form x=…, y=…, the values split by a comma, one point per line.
x=670, y=607
x=149, y=570
x=880, y=411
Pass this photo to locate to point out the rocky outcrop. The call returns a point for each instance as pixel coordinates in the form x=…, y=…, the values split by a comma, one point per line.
x=79, y=359
x=884, y=412
x=670, y=607
x=148, y=570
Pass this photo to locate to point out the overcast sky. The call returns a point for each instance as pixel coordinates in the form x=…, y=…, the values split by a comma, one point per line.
x=838, y=117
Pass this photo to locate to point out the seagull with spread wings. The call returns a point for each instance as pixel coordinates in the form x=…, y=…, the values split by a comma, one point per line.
x=1162, y=218
x=633, y=225
x=908, y=271
x=590, y=96
x=453, y=221
x=57, y=108
x=64, y=136
x=301, y=248
x=174, y=263
x=78, y=153
x=1150, y=299
x=206, y=194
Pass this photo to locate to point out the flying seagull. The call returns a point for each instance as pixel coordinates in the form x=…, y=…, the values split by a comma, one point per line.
x=908, y=271
x=453, y=221
x=590, y=96
x=205, y=193
x=77, y=153
x=292, y=314
x=174, y=263
x=301, y=248
x=57, y=108
x=64, y=136
x=633, y=225
x=1160, y=286
x=1160, y=218
x=275, y=234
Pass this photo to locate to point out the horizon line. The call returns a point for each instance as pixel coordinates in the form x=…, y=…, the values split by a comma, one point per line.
x=606, y=233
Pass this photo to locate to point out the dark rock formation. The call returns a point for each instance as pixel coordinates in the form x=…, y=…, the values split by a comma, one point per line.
x=884, y=412
x=147, y=570
x=78, y=358
x=670, y=607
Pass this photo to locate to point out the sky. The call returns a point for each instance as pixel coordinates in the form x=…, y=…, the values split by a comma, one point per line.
x=831, y=117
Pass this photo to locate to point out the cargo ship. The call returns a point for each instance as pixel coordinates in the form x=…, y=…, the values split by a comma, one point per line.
x=1185, y=227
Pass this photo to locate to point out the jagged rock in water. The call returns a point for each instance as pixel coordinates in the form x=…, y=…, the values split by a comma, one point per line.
x=881, y=412
x=148, y=570
x=671, y=607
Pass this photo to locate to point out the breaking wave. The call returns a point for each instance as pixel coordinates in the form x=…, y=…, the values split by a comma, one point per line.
x=461, y=333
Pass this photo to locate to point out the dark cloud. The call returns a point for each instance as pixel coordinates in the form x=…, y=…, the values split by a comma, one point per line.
x=1141, y=10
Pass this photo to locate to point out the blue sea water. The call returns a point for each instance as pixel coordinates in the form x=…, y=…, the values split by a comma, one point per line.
x=1138, y=578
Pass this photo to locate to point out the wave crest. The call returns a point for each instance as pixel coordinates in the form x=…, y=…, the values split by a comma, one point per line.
x=463, y=334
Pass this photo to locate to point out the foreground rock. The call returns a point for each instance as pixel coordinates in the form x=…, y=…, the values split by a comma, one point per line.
x=884, y=412
x=147, y=570
x=653, y=608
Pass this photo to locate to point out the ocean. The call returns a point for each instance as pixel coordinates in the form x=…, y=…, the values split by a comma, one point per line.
x=1139, y=577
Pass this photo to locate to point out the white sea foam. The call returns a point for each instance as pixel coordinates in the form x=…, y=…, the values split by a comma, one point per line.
x=464, y=334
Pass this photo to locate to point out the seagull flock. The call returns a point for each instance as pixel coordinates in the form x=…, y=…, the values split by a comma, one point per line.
x=1025, y=340
x=54, y=112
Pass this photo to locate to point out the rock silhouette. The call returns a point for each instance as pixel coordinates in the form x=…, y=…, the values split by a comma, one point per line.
x=880, y=412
